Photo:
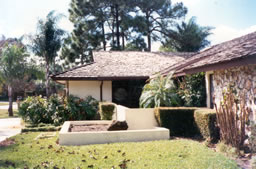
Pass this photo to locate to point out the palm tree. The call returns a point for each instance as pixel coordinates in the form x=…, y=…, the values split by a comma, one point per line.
x=160, y=91
x=188, y=37
x=47, y=42
x=13, y=67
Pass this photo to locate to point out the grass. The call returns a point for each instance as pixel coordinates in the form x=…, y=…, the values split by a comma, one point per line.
x=45, y=153
x=4, y=113
x=5, y=103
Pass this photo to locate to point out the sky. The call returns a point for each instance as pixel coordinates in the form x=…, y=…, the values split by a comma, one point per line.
x=230, y=18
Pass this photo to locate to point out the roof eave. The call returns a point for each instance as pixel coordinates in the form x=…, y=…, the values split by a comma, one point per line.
x=110, y=78
x=242, y=61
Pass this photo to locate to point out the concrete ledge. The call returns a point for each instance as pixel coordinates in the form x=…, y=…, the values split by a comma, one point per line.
x=103, y=137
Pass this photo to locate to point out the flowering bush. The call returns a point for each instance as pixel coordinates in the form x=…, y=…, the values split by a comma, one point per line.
x=56, y=109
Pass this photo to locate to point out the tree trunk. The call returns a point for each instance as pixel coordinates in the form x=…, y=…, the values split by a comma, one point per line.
x=148, y=32
x=103, y=36
x=113, y=26
x=47, y=84
x=117, y=27
x=54, y=71
x=149, y=41
x=10, y=95
x=123, y=41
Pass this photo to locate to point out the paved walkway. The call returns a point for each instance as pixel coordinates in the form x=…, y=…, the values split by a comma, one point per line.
x=9, y=127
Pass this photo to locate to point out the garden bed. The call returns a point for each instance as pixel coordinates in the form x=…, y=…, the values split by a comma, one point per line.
x=102, y=137
x=88, y=127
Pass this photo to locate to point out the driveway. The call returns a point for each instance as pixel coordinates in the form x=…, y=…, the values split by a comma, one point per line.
x=9, y=127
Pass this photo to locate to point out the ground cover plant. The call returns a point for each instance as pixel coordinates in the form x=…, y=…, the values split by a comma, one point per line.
x=46, y=153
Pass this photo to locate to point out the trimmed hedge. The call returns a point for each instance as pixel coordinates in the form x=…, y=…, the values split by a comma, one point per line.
x=180, y=121
x=40, y=127
x=188, y=121
x=106, y=110
x=205, y=120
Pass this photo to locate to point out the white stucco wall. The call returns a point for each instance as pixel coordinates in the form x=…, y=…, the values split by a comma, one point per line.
x=140, y=119
x=91, y=88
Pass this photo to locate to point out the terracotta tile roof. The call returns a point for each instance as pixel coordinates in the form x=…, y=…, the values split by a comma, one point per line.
x=231, y=50
x=124, y=64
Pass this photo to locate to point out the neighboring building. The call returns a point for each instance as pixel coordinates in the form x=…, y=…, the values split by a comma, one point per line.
x=229, y=63
x=117, y=76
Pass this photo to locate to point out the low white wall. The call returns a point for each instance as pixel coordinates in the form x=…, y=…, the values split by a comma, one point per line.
x=91, y=88
x=138, y=119
x=121, y=112
x=102, y=137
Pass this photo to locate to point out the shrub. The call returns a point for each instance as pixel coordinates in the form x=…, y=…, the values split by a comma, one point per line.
x=205, y=120
x=34, y=110
x=56, y=109
x=106, y=110
x=188, y=121
x=192, y=90
x=180, y=121
x=80, y=109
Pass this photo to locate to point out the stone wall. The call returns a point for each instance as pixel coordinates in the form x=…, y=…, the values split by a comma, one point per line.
x=244, y=80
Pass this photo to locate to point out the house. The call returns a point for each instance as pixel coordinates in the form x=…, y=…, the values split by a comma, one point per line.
x=117, y=76
x=229, y=63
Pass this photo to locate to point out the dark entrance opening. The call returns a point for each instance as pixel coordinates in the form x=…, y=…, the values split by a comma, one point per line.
x=127, y=92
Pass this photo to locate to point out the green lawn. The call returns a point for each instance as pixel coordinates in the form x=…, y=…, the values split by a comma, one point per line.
x=30, y=153
x=4, y=103
x=4, y=113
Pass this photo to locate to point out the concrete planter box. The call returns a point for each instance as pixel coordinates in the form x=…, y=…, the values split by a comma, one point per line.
x=102, y=137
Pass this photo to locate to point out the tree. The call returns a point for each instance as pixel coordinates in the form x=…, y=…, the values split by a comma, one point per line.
x=89, y=19
x=188, y=37
x=160, y=91
x=137, y=44
x=47, y=42
x=13, y=68
x=158, y=17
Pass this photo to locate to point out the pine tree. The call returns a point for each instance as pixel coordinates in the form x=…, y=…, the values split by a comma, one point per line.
x=158, y=17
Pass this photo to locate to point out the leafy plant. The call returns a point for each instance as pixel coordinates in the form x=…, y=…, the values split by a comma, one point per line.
x=192, y=90
x=160, y=91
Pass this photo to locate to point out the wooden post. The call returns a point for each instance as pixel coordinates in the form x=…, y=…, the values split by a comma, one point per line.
x=67, y=88
x=101, y=92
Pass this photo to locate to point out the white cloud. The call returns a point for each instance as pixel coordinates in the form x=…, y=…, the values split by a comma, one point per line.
x=224, y=33
x=155, y=46
x=187, y=2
